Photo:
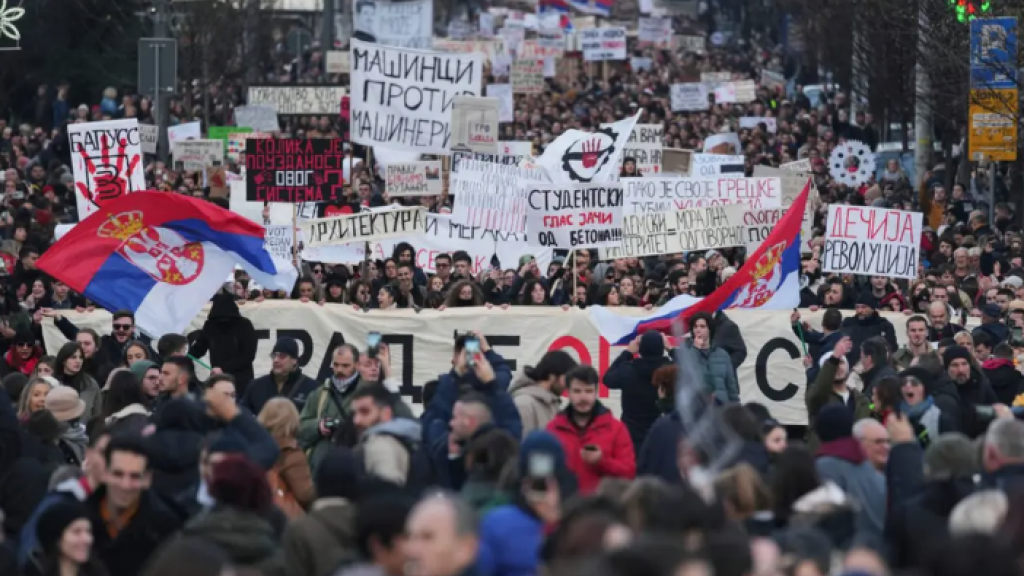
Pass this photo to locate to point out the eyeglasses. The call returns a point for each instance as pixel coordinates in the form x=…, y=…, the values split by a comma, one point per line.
x=122, y=327
x=318, y=271
x=24, y=344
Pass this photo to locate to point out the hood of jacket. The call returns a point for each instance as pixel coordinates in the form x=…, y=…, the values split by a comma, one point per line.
x=337, y=516
x=523, y=386
x=403, y=427
x=130, y=410
x=997, y=363
x=247, y=537
x=223, y=307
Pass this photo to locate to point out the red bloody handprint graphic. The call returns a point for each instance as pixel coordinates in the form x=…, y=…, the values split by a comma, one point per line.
x=110, y=175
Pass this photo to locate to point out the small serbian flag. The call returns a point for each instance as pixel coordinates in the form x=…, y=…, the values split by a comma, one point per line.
x=162, y=256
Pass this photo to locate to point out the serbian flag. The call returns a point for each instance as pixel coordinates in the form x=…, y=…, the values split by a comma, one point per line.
x=162, y=256
x=595, y=7
x=769, y=280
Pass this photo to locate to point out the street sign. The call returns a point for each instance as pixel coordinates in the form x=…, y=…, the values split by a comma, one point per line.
x=993, y=125
x=158, y=66
x=994, y=53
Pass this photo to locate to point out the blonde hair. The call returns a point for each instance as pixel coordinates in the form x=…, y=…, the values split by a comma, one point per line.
x=742, y=491
x=26, y=395
x=280, y=417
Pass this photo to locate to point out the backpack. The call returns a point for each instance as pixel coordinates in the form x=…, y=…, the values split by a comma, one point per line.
x=283, y=496
x=420, y=475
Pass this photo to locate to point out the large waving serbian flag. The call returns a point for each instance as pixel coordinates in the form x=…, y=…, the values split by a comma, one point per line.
x=769, y=279
x=162, y=256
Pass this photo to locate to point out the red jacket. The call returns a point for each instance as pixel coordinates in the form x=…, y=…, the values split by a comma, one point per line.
x=607, y=433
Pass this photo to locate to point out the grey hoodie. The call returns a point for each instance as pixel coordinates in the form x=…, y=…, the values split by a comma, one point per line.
x=537, y=405
x=383, y=453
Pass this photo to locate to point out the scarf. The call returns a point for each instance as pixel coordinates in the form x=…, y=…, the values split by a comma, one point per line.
x=915, y=412
x=24, y=366
x=341, y=385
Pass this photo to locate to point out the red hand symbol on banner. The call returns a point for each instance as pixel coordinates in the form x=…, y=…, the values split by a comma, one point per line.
x=111, y=175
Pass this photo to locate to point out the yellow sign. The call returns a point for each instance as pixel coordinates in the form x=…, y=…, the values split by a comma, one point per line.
x=993, y=118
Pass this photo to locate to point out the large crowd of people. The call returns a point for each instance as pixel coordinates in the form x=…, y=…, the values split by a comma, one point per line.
x=115, y=459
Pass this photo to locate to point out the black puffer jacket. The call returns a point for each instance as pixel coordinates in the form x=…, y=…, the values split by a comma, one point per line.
x=639, y=397
x=229, y=338
x=175, y=448
x=860, y=330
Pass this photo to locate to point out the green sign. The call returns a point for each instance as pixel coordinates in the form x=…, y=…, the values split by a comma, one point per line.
x=221, y=132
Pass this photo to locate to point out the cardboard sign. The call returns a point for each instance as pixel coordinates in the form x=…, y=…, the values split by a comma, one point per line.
x=603, y=44
x=679, y=231
x=872, y=241
x=503, y=92
x=106, y=159
x=475, y=123
x=364, y=226
x=655, y=33
x=528, y=77
x=803, y=165
x=279, y=240
x=677, y=161
x=492, y=195
x=647, y=195
x=150, y=137
x=413, y=179
x=402, y=99
x=735, y=92
x=217, y=178
x=574, y=216
x=403, y=24
x=295, y=101
x=294, y=170
x=337, y=62
x=689, y=96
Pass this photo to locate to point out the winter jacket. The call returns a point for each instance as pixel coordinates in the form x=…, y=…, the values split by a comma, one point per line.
x=820, y=394
x=719, y=374
x=727, y=337
x=174, y=454
x=293, y=469
x=604, y=431
x=657, y=456
x=818, y=343
x=842, y=463
x=450, y=386
x=88, y=391
x=860, y=330
x=639, y=397
x=947, y=331
x=229, y=338
x=127, y=553
x=247, y=538
x=1006, y=381
x=111, y=352
x=72, y=490
x=997, y=331
x=297, y=387
x=871, y=378
x=383, y=453
x=537, y=405
x=23, y=476
x=317, y=543
x=928, y=420
x=915, y=528
x=973, y=393
x=511, y=537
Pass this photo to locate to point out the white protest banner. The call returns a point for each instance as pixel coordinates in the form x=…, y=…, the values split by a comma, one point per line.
x=460, y=30
x=400, y=24
x=150, y=135
x=689, y=96
x=337, y=62
x=198, y=154
x=508, y=160
x=753, y=122
x=364, y=226
x=106, y=158
x=501, y=67
x=871, y=241
x=695, y=44
x=260, y=118
x=297, y=100
x=550, y=43
x=655, y=33
x=492, y=195
x=713, y=79
x=758, y=224
x=513, y=39
x=475, y=123
x=602, y=44
x=491, y=49
x=644, y=147
x=486, y=24
x=503, y=92
x=745, y=91
x=414, y=179
x=725, y=93
x=403, y=98
x=705, y=165
x=550, y=67
x=803, y=165
x=577, y=156
x=574, y=216
x=528, y=77
x=279, y=241
x=679, y=231
x=646, y=195
x=516, y=148
x=182, y=132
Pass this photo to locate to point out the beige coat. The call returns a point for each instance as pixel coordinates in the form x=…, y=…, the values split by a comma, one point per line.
x=537, y=406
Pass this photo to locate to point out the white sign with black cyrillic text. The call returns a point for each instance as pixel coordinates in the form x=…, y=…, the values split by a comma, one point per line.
x=402, y=98
x=106, y=159
x=705, y=165
x=644, y=147
x=337, y=62
x=279, y=239
x=413, y=179
x=528, y=77
x=492, y=195
x=872, y=241
x=550, y=43
x=695, y=44
x=364, y=226
x=655, y=33
x=679, y=231
x=752, y=122
x=295, y=101
x=150, y=136
x=198, y=154
x=601, y=44
x=571, y=217
x=401, y=24
x=803, y=165
x=690, y=96
x=647, y=195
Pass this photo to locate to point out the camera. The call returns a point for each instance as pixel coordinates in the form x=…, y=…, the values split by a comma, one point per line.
x=373, y=344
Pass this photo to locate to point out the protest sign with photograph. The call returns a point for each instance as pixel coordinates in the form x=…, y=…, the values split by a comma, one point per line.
x=106, y=159
x=402, y=98
x=528, y=77
x=150, y=135
x=679, y=231
x=705, y=165
x=689, y=96
x=405, y=24
x=279, y=241
x=872, y=241
x=645, y=195
x=725, y=143
x=503, y=92
x=492, y=195
x=296, y=101
x=337, y=62
x=603, y=44
x=414, y=179
x=752, y=122
x=364, y=226
x=574, y=216
x=294, y=170
x=655, y=33
x=196, y=155
x=475, y=123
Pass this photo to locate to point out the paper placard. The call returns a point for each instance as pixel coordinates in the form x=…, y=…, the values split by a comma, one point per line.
x=296, y=101
x=872, y=241
x=772, y=80
x=403, y=24
x=713, y=79
x=337, y=62
x=655, y=33
x=492, y=195
x=705, y=165
x=803, y=165
x=106, y=159
x=294, y=170
x=677, y=161
x=414, y=179
x=182, y=132
x=198, y=154
x=475, y=123
x=550, y=43
x=460, y=30
x=217, y=178
x=528, y=77
x=752, y=122
x=644, y=147
x=486, y=24
x=695, y=44
x=577, y=216
x=679, y=231
x=237, y=140
x=150, y=135
x=641, y=64
x=736, y=92
x=689, y=96
x=647, y=195
x=758, y=224
x=490, y=49
x=459, y=156
x=364, y=226
x=503, y=92
x=402, y=99
x=279, y=240
x=516, y=148
x=603, y=44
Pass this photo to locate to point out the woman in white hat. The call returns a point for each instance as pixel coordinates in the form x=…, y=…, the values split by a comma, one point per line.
x=67, y=408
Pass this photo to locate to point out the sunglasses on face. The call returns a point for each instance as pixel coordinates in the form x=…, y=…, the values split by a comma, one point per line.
x=24, y=344
x=122, y=327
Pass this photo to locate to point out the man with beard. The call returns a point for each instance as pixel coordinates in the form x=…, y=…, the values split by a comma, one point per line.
x=973, y=389
x=830, y=387
x=596, y=443
x=867, y=324
x=941, y=328
x=112, y=346
x=917, y=343
x=389, y=446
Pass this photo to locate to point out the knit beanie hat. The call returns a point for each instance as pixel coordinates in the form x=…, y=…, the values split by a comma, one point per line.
x=540, y=442
x=949, y=456
x=955, y=352
x=652, y=345
x=834, y=422
x=55, y=520
x=140, y=367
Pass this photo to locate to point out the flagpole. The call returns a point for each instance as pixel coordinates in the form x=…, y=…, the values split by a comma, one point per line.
x=295, y=236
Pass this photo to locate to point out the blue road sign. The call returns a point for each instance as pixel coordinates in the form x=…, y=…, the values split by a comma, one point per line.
x=994, y=53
